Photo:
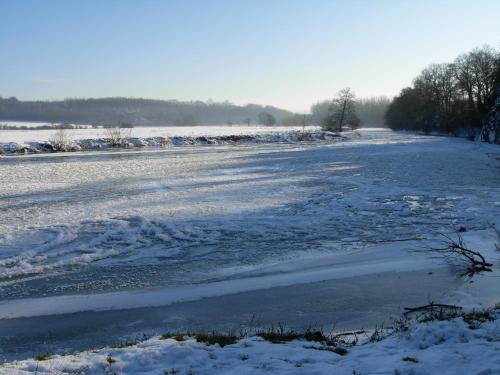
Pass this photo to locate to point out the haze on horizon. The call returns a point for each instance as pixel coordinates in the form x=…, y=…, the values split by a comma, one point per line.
x=287, y=54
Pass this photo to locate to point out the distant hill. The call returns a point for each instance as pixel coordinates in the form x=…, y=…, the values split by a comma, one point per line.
x=137, y=112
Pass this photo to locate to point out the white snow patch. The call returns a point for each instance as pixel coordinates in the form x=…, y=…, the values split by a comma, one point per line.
x=439, y=347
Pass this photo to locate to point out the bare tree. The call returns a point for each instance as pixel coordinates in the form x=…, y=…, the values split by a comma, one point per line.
x=464, y=74
x=438, y=85
x=342, y=112
x=475, y=75
x=484, y=62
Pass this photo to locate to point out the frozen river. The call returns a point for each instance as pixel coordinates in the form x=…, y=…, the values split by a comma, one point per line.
x=132, y=229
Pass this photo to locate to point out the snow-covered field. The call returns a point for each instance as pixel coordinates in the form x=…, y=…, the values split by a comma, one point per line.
x=18, y=142
x=129, y=229
x=440, y=347
x=43, y=135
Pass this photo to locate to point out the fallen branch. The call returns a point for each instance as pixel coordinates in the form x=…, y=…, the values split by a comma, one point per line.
x=433, y=311
x=474, y=260
x=347, y=338
x=350, y=333
x=430, y=307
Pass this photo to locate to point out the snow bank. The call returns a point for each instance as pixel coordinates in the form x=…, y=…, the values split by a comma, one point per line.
x=438, y=347
x=33, y=133
x=92, y=144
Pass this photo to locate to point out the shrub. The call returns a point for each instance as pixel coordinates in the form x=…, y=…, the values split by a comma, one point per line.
x=61, y=140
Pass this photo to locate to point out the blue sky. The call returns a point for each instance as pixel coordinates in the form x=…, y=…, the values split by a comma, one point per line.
x=288, y=53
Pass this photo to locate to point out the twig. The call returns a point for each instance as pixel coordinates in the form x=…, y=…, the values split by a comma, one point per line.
x=430, y=307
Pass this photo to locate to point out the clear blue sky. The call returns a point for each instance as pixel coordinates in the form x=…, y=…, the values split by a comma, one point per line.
x=289, y=53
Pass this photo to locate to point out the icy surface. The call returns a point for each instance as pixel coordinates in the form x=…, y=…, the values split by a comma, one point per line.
x=102, y=222
x=441, y=347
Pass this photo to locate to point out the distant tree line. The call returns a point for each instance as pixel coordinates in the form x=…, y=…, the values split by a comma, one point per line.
x=117, y=111
x=126, y=112
x=371, y=111
x=449, y=97
x=267, y=119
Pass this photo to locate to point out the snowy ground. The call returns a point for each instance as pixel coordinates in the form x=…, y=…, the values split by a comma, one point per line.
x=131, y=229
x=41, y=135
x=19, y=142
x=440, y=347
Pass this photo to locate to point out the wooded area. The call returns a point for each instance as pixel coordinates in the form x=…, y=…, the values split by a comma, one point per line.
x=449, y=97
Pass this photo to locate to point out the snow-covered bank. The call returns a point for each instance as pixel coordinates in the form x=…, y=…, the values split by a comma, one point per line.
x=93, y=144
x=454, y=346
x=30, y=138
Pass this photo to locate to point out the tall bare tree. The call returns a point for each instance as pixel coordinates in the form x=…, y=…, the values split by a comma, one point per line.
x=475, y=75
x=342, y=112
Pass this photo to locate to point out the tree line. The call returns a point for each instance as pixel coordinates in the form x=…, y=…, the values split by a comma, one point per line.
x=142, y=112
x=449, y=97
x=117, y=111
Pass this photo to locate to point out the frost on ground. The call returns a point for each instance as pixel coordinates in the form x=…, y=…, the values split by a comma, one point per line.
x=442, y=347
